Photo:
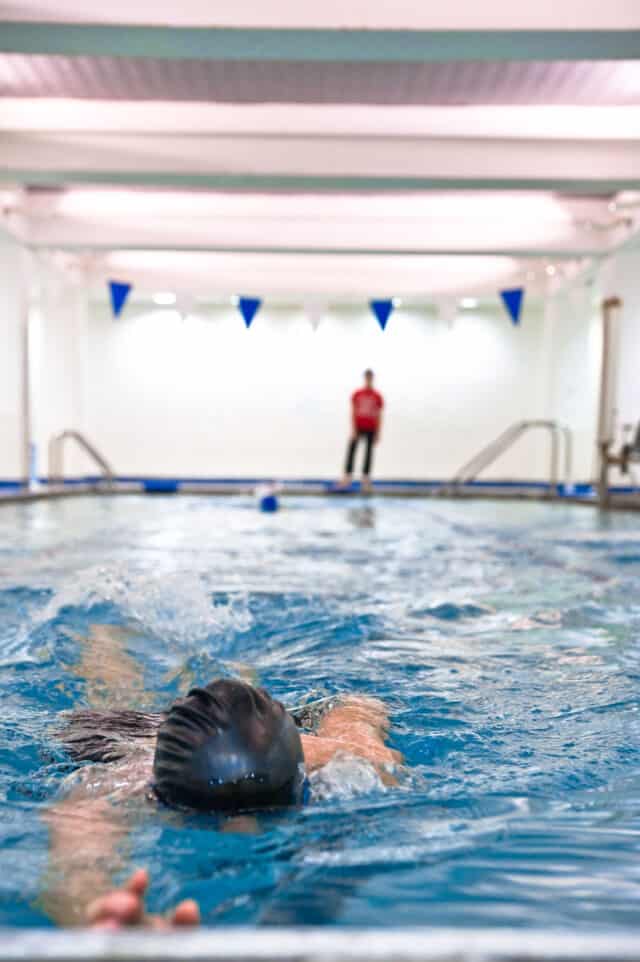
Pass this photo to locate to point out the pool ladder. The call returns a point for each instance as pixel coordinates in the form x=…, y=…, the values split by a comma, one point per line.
x=559, y=435
x=56, y=457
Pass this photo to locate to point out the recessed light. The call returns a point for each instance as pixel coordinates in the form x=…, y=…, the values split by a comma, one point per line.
x=550, y=269
x=164, y=298
x=235, y=300
x=396, y=301
x=468, y=302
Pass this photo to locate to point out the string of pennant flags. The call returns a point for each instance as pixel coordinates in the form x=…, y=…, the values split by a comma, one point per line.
x=382, y=310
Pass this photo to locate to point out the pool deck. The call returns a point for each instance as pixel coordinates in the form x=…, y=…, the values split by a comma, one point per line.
x=320, y=945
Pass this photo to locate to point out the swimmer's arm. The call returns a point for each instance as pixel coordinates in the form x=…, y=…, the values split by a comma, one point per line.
x=85, y=839
x=357, y=725
x=112, y=677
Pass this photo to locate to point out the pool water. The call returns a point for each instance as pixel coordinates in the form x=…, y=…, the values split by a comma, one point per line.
x=503, y=636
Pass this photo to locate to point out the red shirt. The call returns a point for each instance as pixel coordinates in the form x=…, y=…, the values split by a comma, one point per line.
x=366, y=404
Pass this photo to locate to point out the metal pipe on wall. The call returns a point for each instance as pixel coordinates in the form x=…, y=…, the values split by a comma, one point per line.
x=610, y=306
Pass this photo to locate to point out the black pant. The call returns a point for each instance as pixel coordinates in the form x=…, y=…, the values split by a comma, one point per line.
x=368, y=457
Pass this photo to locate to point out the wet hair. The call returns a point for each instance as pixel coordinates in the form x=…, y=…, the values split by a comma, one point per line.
x=106, y=736
x=228, y=746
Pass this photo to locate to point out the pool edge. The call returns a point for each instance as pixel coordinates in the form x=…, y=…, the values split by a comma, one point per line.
x=319, y=945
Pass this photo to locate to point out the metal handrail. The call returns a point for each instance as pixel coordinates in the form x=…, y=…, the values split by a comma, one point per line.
x=56, y=456
x=487, y=455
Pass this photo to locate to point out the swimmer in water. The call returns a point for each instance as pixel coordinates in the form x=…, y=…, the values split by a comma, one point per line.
x=227, y=747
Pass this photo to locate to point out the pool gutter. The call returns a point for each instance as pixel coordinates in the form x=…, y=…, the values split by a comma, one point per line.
x=626, y=498
x=319, y=945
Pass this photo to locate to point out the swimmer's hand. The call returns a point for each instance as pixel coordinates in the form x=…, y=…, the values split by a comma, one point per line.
x=124, y=907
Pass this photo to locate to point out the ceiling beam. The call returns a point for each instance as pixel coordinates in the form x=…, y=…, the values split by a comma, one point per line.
x=277, y=273
x=315, y=184
x=299, y=163
x=379, y=235
x=526, y=253
x=322, y=45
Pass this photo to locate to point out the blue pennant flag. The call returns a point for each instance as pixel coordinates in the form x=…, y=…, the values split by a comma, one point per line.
x=513, y=302
x=249, y=307
x=382, y=311
x=119, y=293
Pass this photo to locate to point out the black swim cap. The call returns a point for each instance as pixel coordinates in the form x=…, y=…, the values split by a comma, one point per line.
x=228, y=746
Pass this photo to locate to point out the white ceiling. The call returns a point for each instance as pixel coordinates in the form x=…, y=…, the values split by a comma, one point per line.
x=335, y=14
x=344, y=178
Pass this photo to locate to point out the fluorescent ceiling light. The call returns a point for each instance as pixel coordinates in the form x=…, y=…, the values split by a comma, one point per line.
x=611, y=121
x=396, y=301
x=164, y=298
x=468, y=302
x=108, y=204
x=628, y=198
x=439, y=221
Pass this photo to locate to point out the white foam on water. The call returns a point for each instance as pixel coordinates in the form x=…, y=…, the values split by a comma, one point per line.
x=344, y=777
x=174, y=605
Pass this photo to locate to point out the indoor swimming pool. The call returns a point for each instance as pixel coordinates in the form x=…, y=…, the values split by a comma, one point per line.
x=502, y=636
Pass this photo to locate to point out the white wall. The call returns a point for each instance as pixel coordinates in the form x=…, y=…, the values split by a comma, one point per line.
x=206, y=397
x=573, y=370
x=59, y=345
x=11, y=452
x=56, y=302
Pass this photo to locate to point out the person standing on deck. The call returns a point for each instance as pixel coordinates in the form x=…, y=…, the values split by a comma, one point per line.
x=366, y=420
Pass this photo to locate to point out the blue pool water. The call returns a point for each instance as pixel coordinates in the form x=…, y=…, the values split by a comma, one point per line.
x=504, y=637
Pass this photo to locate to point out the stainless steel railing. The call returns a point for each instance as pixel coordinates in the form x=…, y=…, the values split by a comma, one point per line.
x=56, y=456
x=559, y=434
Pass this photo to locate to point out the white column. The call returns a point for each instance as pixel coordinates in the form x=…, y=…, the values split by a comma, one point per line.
x=30, y=345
